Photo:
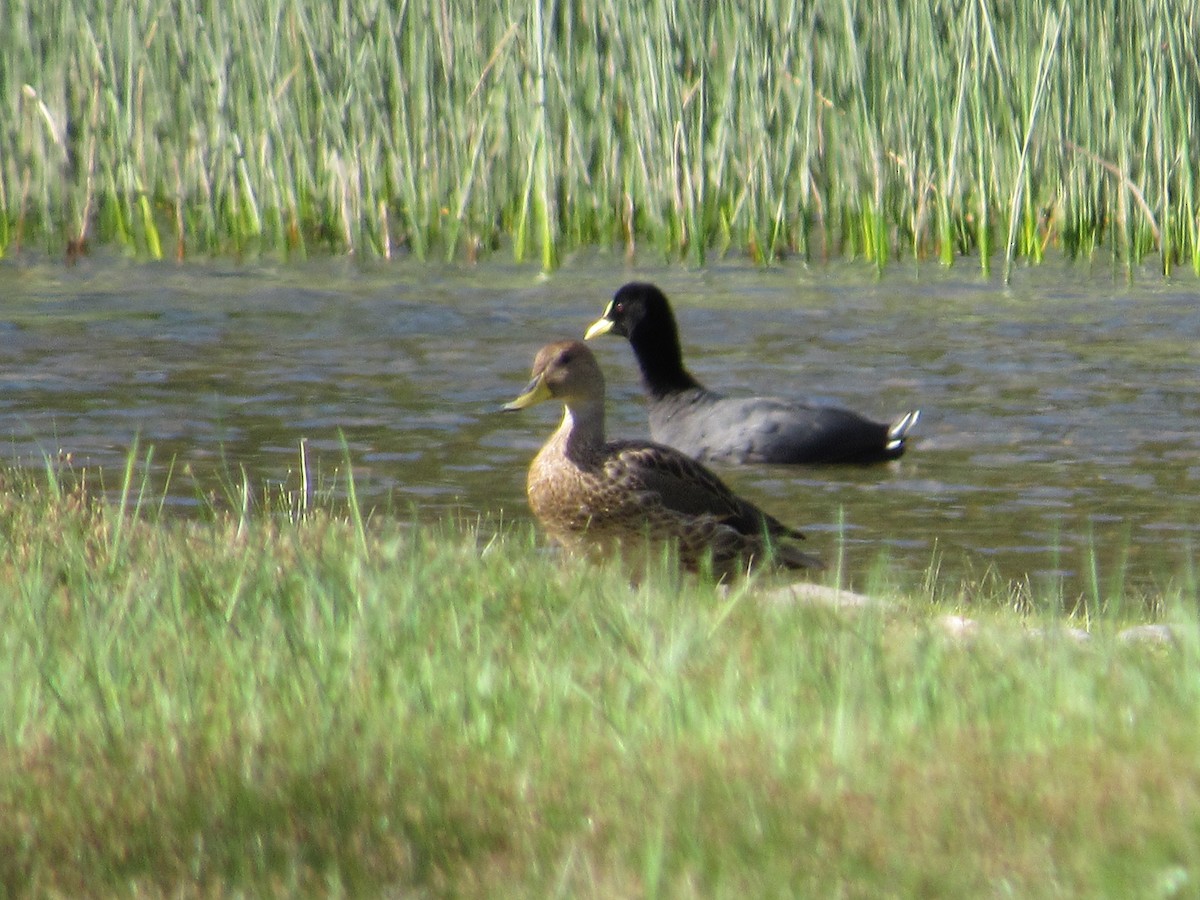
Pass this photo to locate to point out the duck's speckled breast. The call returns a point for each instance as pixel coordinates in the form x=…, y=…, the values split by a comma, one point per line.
x=579, y=506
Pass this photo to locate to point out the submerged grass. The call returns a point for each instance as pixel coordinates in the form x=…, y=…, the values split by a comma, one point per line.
x=877, y=130
x=279, y=704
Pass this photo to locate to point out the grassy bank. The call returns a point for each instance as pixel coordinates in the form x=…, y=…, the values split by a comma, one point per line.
x=277, y=705
x=878, y=130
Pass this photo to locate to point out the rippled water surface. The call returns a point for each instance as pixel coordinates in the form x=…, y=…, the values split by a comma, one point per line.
x=1060, y=423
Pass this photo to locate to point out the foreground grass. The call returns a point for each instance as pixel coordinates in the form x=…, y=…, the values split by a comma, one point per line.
x=270, y=707
x=869, y=129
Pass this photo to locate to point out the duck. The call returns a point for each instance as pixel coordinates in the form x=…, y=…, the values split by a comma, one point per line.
x=712, y=427
x=600, y=498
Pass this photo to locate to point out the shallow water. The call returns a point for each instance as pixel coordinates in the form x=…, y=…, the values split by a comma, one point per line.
x=1060, y=415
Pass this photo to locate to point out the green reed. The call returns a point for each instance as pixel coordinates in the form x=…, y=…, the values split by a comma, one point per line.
x=815, y=128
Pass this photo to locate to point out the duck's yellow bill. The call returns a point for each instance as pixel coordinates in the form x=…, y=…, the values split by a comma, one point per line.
x=535, y=392
x=597, y=328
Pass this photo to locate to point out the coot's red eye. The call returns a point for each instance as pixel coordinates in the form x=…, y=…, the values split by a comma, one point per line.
x=620, y=308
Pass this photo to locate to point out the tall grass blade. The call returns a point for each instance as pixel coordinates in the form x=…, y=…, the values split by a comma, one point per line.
x=1044, y=66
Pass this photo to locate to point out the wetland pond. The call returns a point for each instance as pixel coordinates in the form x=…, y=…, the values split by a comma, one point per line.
x=1057, y=445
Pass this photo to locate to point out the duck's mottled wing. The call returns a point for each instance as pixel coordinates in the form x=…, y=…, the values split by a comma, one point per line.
x=682, y=485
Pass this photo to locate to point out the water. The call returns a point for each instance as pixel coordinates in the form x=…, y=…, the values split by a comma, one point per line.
x=1057, y=442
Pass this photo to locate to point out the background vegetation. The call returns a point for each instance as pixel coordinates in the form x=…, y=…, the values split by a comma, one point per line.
x=873, y=129
x=296, y=701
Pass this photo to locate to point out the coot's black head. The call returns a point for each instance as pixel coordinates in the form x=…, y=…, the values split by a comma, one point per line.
x=638, y=311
